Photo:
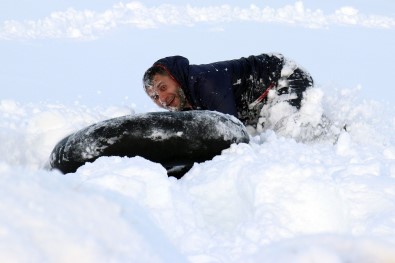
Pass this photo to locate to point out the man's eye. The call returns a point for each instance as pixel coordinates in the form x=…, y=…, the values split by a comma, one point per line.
x=162, y=88
x=155, y=97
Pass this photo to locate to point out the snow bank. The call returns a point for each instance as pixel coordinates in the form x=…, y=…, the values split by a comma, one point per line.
x=287, y=196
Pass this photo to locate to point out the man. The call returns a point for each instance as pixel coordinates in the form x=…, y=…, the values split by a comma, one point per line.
x=239, y=87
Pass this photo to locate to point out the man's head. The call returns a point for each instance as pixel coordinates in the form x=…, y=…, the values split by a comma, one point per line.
x=164, y=89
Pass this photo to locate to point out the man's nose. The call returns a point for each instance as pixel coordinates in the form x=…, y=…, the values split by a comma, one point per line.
x=162, y=96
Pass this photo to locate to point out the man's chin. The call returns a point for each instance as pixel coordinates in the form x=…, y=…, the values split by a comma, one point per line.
x=172, y=109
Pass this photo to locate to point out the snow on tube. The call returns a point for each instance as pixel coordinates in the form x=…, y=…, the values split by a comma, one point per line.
x=173, y=139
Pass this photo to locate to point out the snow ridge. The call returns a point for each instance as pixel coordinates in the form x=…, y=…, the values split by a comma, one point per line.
x=89, y=24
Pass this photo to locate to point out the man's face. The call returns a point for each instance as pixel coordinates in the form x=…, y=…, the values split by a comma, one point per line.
x=166, y=93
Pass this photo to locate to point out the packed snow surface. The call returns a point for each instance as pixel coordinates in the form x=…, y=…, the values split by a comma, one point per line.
x=300, y=191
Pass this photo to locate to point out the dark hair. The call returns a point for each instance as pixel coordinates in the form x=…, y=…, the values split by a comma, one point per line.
x=151, y=72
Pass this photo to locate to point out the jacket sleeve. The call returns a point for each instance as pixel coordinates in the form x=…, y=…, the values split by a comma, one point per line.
x=215, y=93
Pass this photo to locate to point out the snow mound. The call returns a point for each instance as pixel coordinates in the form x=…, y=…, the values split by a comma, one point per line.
x=290, y=195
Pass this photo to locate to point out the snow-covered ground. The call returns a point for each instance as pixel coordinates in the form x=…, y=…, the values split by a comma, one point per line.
x=280, y=198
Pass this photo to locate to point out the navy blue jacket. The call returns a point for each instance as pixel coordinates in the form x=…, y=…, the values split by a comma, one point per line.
x=227, y=86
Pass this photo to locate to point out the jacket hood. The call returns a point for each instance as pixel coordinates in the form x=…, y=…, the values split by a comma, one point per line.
x=178, y=66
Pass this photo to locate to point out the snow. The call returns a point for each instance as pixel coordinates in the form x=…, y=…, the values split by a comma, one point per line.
x=287, y=196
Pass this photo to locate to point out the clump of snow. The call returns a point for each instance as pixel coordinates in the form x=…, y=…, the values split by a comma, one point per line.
x=287, y=196
x=309, y=124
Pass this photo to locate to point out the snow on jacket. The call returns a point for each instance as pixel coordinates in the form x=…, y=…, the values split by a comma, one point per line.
x=234, y=86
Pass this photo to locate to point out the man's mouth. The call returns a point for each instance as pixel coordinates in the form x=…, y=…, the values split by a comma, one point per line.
x=170, y=101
